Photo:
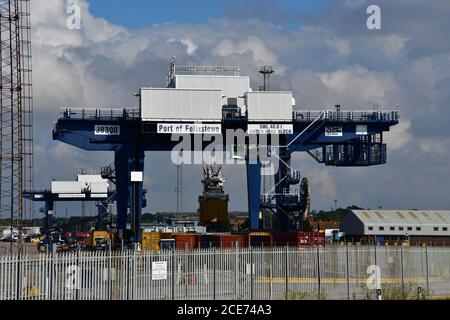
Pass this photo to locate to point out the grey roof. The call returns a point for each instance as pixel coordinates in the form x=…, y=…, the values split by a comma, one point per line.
x=404, y=217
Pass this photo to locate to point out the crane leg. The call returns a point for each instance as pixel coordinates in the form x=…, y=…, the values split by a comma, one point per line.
x=122, y=186
x=136, y=193
x=253, y=193
x=129, y=158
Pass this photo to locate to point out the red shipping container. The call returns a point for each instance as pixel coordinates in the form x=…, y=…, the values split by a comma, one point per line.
x=206, y=241
x=308, y=239
x=318, y=239
x=260, y=239
x=185, y=241
x=285, y=239
x=230, y=240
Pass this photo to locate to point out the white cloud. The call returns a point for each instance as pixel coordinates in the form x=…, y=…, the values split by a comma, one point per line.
x=356, y=85
x=224, y=48
x=254, y=45
x=393, y=45
x=322, y=181
x=340, y=45
x=435, y=147
x=191, y=47
x=399, y=136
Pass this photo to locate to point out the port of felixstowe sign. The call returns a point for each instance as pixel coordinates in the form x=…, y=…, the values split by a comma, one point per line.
x=189, y=128
x=199, y=128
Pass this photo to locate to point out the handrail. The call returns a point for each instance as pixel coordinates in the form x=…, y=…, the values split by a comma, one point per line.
x=346, y=116
x=298, y=116
x=99, y=113
x=207, y=70
x=310, y=125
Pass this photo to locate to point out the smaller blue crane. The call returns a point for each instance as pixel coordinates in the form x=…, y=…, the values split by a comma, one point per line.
x=87, y=188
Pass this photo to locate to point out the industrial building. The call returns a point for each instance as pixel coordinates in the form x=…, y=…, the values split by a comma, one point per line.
x=398, y=226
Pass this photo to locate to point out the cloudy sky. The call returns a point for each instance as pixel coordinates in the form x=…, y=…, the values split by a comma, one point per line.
x=321, y=50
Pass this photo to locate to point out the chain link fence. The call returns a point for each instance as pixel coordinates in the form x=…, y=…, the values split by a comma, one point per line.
x=332, y=272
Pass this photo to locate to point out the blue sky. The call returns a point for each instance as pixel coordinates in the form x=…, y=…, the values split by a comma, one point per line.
x=142, y=13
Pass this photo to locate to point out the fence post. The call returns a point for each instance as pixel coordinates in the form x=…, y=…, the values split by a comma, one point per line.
x=251, y=273
x=271, y=272
x=214, y=274
x=173, y=274
x=134, y=271
x=78, y=276
x=52, y=268
x=375, y=252
x=110, y=272
x=401, y=264
x=318, y=274
x=286, y=280
x=236, y=271
x=347, y=272
x=19, y=280
x=426, y=268
x=128, y=274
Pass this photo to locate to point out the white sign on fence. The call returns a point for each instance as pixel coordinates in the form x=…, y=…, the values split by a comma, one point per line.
x=247, y=269
x=159, y=270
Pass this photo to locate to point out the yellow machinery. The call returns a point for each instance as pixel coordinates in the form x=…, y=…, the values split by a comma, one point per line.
x=101, y=239
x=150, y=241
x=214, y=202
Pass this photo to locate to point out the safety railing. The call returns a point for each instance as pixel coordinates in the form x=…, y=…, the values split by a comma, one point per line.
x=347, y=116
x=99, y=114
x=207, y=70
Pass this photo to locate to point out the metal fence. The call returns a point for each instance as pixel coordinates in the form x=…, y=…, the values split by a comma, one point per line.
x=333, y=272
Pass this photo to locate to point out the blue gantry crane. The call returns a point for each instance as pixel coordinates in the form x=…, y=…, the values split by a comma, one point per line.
x=202, y=100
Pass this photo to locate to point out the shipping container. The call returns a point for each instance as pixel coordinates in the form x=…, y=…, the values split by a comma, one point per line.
x=161, y=104
x=150, y=241
x=298, y=238
x=315, y=238
x=185, y=241
x=166, y=235
x=206, y=241
x=231, y=241
x=285, y=239
x=259, y=239
x=269, y=106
